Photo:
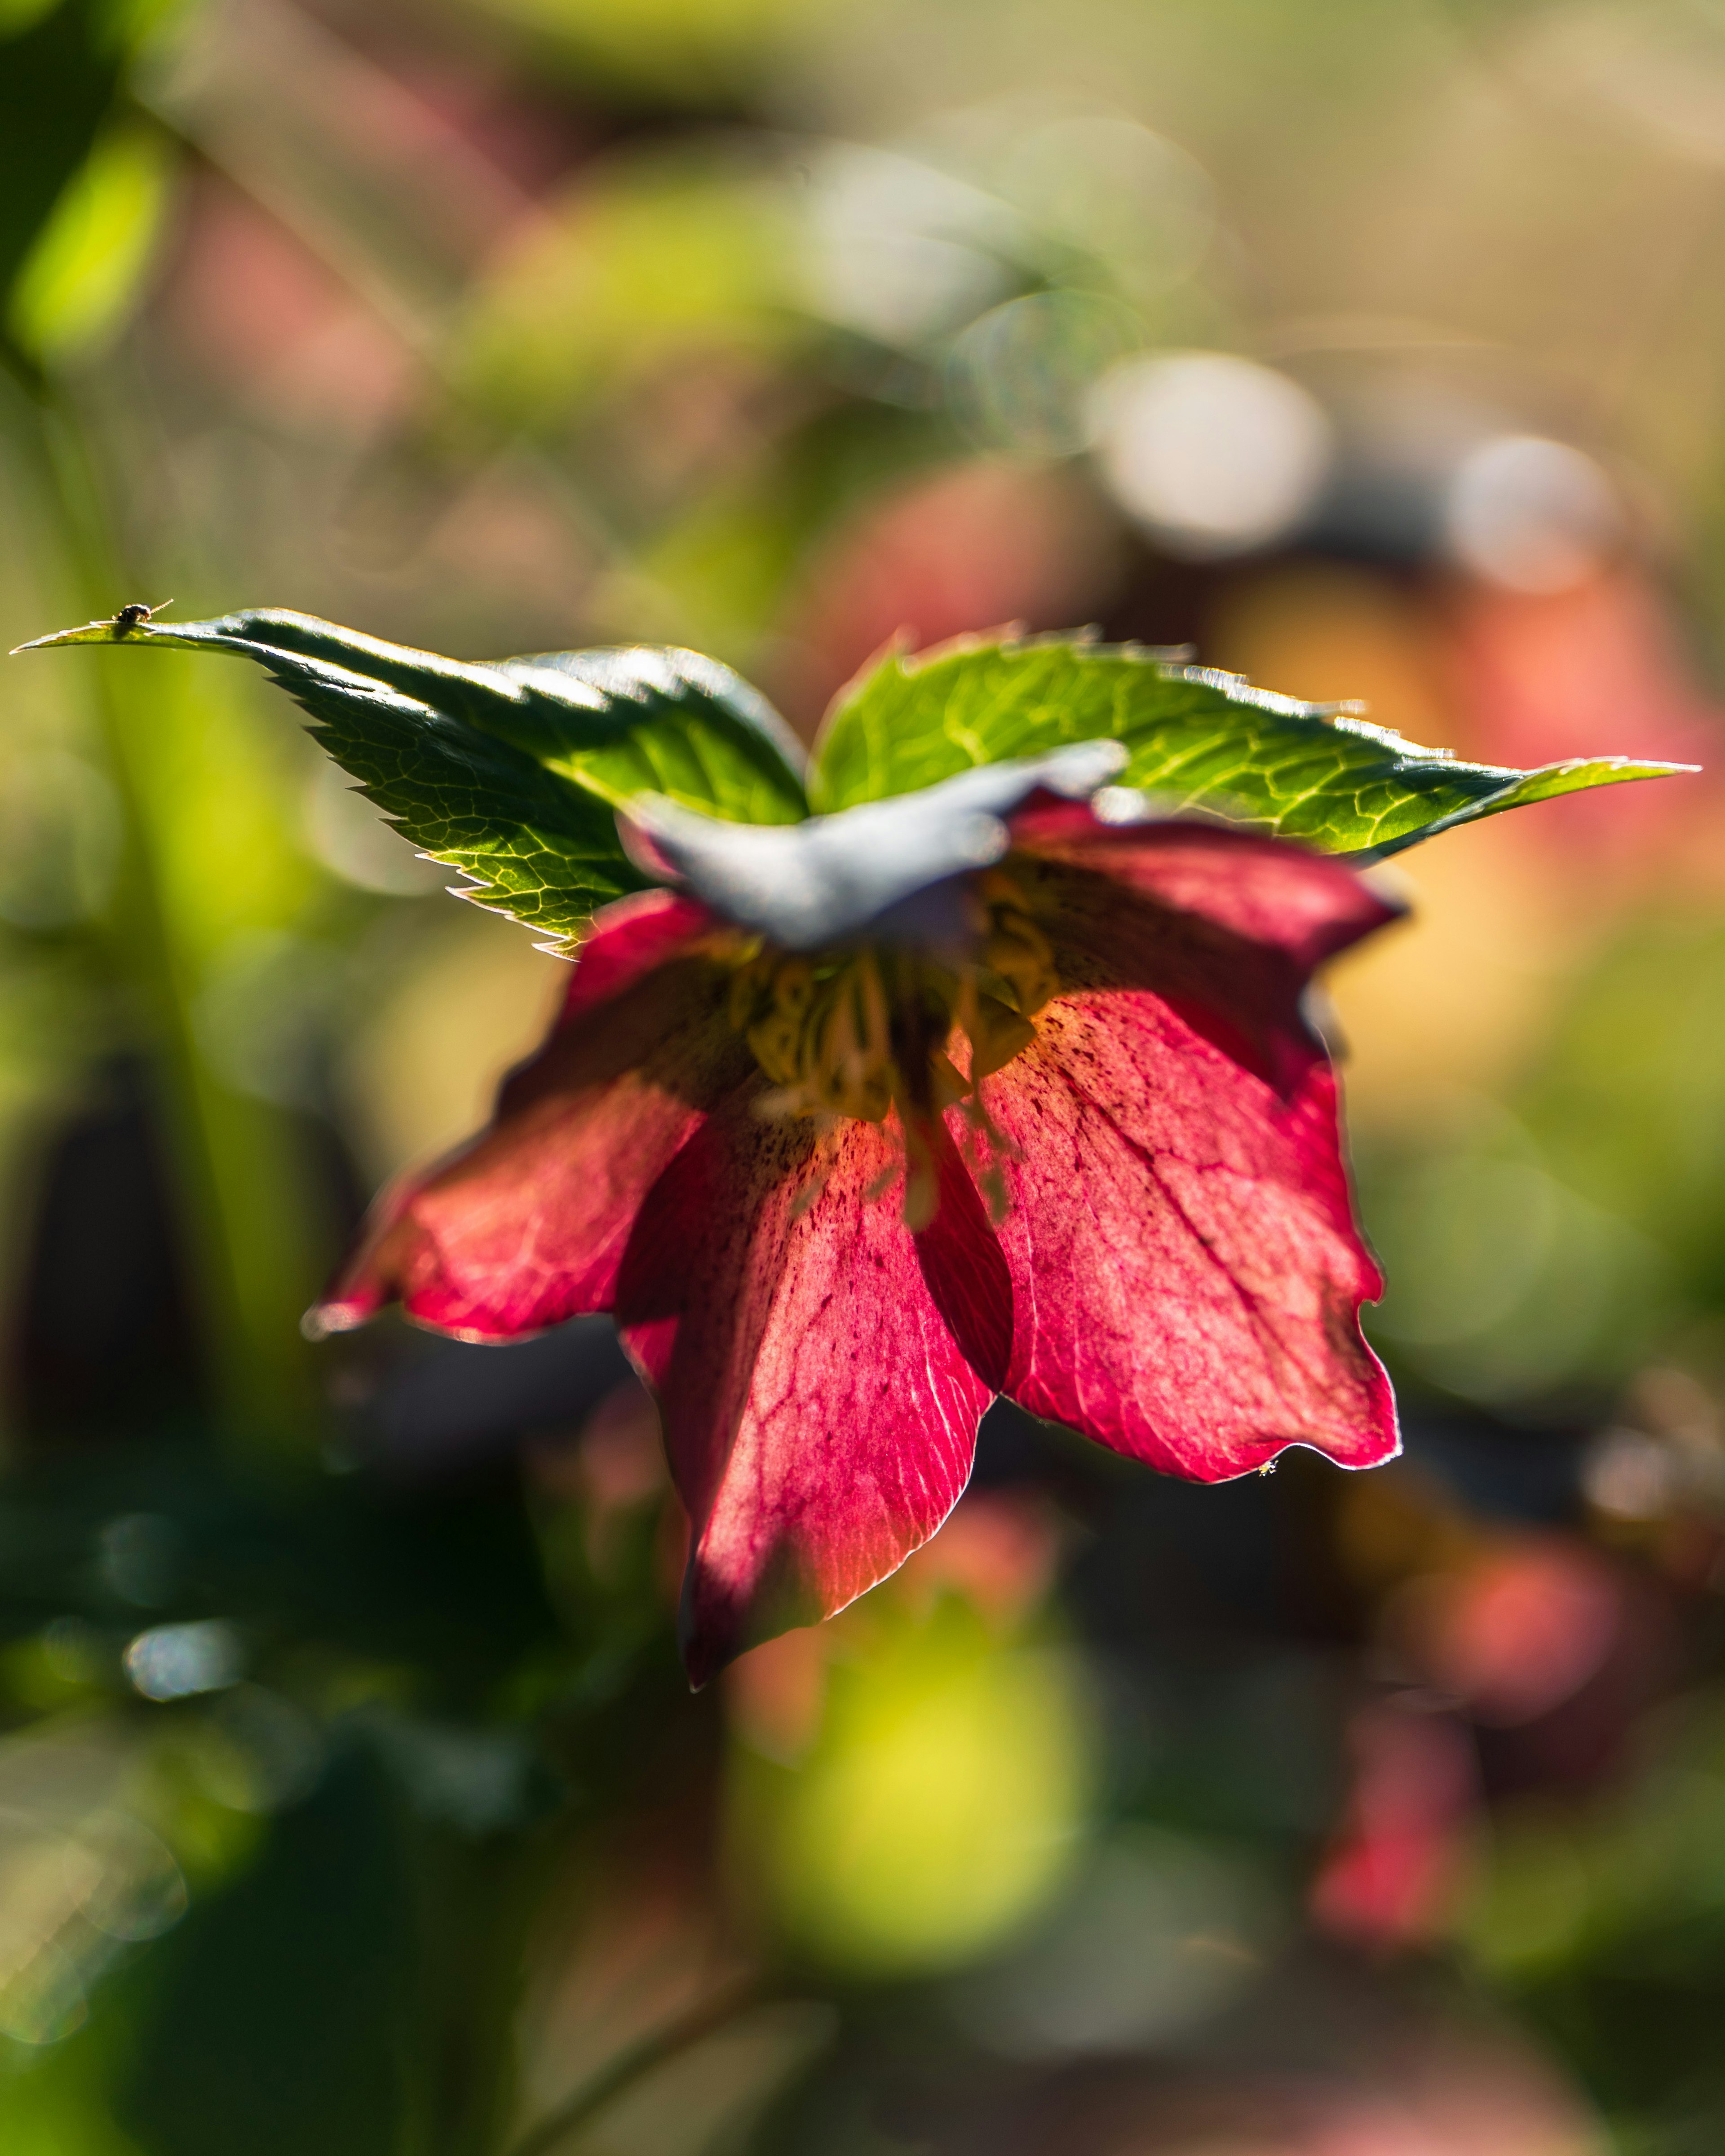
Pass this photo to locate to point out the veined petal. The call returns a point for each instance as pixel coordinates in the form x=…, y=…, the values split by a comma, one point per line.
x=526, y=1225
x=819, y=1413
x=1267, y=892
x=1223, y=925
x=1186, y=1274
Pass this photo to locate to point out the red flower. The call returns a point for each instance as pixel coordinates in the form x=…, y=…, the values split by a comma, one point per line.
x=980, y=1090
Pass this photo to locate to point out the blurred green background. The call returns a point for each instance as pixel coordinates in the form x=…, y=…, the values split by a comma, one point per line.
x=350, y=1796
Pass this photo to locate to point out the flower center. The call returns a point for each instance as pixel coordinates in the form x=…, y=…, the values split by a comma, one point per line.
x=853, y=1032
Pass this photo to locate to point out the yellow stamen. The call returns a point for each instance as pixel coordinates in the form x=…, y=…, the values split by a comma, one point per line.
x=1014, y=947
x=855, y=1033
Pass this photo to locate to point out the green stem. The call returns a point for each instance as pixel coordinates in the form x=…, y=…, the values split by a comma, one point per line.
x=632, y=2064
x=241, y=1193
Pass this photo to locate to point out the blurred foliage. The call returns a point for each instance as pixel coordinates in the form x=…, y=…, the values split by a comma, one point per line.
x=61, y=73
x=1543, y=1248
x=356, y=1818
x=1605, y=1929
x=656, y=258
x=682, y=49
x=939, y=1803
x=82, y=272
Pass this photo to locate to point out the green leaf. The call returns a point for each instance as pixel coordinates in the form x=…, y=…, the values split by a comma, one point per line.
x=513, y=772
x=1197, y=738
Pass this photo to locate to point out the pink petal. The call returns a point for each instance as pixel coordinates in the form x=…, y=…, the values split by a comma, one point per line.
x=819, y=1414
x=1186, y=1273
x=526, y=1226
x=626, y=941
x=1267, y=891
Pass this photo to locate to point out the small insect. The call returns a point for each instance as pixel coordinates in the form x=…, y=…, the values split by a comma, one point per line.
x=129, y=617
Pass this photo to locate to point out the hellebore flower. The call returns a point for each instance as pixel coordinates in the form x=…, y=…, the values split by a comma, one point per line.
x=999, y=1088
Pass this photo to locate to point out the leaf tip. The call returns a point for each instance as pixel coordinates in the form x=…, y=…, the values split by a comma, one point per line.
x=93, y=632
x=116, y=629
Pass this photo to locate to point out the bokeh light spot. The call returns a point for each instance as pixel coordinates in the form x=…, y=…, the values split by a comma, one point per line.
x=1216, y=454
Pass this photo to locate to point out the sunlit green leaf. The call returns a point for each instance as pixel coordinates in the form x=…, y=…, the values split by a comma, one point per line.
x=513, y=772
x=1197, y=738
